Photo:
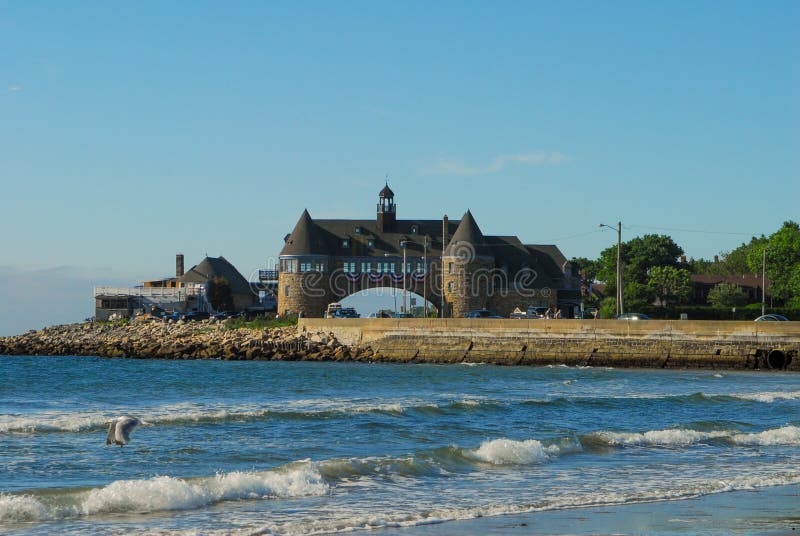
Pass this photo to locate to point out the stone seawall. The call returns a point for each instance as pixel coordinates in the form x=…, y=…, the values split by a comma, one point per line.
x=655, y=344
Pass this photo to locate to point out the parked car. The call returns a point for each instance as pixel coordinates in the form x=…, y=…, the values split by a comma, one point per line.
x=482, y=313
x=195, y=316
x=173, y=316
x=772, y=317
x=633, y=316
x=345, y=312
x=404, y=315
x=536, y=312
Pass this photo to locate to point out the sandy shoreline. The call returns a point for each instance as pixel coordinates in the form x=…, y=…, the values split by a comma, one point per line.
x=767, y=511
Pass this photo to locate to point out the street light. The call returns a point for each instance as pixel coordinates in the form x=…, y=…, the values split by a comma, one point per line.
x=403, y=244
x=620, y=308
x=425, y=277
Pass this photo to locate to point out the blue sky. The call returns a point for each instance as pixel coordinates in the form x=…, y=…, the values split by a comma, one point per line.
x=133, y=131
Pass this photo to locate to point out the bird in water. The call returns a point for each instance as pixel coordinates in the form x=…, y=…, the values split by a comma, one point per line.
x=120, y=429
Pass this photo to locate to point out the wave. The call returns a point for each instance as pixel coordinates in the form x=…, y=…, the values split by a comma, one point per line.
x=681, y=437
x=769, y=396
x=163, y=493
x=511, y=452
x=49, y=422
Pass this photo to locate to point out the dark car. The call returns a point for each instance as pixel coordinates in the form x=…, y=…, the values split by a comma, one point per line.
x=193, y=316
x=173, y=316
x=404, y=315
x=482, y=313
x=633, y=316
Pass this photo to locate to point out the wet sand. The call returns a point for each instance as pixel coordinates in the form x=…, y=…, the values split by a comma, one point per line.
x=767, y=511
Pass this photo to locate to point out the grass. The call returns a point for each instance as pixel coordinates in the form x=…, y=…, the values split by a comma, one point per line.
x=261, y=322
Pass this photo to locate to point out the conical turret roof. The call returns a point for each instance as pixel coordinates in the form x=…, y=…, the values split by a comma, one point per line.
x=306, y=238
x=468, y=239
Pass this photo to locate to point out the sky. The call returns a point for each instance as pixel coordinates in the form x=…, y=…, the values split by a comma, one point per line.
x=132, y=131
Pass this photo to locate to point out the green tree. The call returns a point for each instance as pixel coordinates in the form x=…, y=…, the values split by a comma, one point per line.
x=668, y=284
x=587, y=266
x=726, y=295
x=783, y=263
x=638, y=255
x=734, y=262
x=219, y=294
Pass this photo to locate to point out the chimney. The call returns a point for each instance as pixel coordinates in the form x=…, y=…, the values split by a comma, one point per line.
x=179, y=265
x=445, y=232
x=716, y=259
x=683, y=259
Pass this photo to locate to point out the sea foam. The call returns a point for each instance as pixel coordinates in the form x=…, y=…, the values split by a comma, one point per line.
x=511, y=452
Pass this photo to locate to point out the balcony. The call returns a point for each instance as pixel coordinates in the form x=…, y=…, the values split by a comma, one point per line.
x=268, y=275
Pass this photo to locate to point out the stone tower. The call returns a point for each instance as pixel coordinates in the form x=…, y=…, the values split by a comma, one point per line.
x=468, y=261
x=305, y=266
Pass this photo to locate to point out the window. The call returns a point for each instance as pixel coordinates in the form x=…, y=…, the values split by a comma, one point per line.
x=370, y=243
x=346, y=243
x=319, y=266
x=358, y=229
x=349, y=267
x=305, y=266
x=286, y=291
x=366, y=267
x=289, y=265
x=392, y=267
x=420, y=267
x=450, y=286
x=450, y=268
x=414, y=229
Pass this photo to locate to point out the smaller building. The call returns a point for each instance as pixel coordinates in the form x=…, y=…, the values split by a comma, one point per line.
x=749, y=284
x=185, y=292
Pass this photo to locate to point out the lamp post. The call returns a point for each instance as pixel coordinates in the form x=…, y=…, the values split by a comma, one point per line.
x=620, y=308
x=403, y=244
x=425, y=277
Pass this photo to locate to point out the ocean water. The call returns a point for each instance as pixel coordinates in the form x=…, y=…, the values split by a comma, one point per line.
x=308, y=448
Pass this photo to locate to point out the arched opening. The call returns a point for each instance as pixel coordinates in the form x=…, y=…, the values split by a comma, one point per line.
x=373, y=302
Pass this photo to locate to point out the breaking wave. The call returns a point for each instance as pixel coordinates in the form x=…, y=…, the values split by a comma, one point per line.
x=680, y=437
x=163, y=493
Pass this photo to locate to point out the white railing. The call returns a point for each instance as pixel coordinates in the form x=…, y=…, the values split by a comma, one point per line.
x=149, y=292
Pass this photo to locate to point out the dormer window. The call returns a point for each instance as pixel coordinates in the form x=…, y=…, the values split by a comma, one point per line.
x=370, y=243
x=346, y=243
x=414, y=229
x=358, y=229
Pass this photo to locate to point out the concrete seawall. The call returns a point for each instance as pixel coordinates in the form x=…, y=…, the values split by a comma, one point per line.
x=653, y=343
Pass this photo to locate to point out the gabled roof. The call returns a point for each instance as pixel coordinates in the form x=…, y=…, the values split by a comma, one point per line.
x=467, y=232
x=306, y=238
x=212, y=267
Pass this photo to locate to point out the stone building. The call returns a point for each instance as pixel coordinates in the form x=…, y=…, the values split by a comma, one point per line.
x=451, y=263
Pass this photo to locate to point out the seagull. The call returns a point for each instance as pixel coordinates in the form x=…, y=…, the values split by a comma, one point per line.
x=120, y=429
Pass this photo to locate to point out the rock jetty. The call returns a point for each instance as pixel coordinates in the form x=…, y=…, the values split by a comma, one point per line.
x=190, y=340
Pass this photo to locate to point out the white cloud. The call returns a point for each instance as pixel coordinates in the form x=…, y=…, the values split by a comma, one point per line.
x=451, y=166
x=15, y=87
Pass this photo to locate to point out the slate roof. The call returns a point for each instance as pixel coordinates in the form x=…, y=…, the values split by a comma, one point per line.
x=326, y=237
x=212, y=267
x=386, y=192
x=468, y=232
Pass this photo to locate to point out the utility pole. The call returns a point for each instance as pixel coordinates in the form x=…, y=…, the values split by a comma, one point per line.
x=425, y=277
x=763, y=280
x=620, y=308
